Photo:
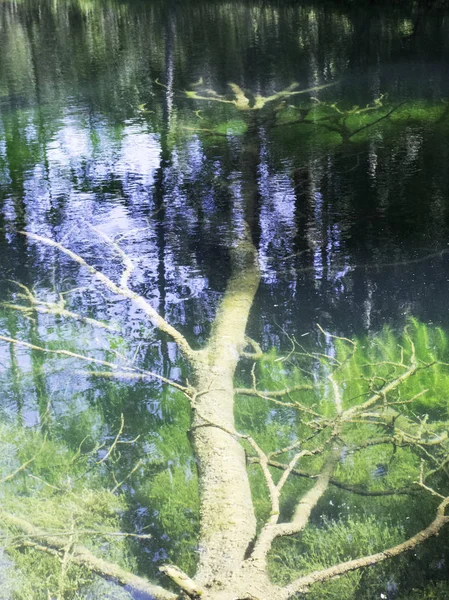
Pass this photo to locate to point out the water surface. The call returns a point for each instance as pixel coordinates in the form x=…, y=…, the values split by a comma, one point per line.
x=97, y=131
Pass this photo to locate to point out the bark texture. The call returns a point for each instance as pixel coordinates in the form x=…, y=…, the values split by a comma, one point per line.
x=228, y=522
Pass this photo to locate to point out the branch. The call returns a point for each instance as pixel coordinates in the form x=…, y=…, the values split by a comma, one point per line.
x=388, y=114
x=130, y=370
x=260, y=101
x=257, y=352
x=18, y=470
x=118, y=484
x=337, y=395
x=115, y=442
x=55, y=309
x=348, y=487
x=84, y=557
x=269, y=394
x=241, y=100
x=301, y=516
x=381, y=394
x=273, y=489
x=272, y=395
x=122, y=289
x=303, y=583
x=24, y=465
x=190, y=587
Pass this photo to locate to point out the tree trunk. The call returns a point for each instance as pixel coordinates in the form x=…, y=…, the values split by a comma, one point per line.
x=228, y=523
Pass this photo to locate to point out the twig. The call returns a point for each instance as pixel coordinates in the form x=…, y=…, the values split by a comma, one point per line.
x=348, y=487
x=114, y=443
x=190, y=587
x=119, y=484
x=257, y=350
x=302, y=512
x=269, y=394
x=56, y=310
x=24, y=465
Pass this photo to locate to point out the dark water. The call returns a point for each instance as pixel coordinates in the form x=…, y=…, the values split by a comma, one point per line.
x=351, y=234
x=96, y=131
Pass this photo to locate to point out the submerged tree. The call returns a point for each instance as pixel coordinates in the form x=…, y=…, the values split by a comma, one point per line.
x=362, y=402
x=341, y=410
x=345, y=408
x=279, y=447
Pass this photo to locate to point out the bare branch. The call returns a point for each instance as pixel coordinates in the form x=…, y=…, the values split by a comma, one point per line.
x=355, y=489
x=24, y=465
x=120, y=483
x=114, y=443
x=292, y=464
x=273, y=489
x=337, y=395
x=190, y=587
x=381, y=394
x=336, y=337
x=65, y=533
x=57, y=311
x=241, y=100
x=257, y=352
x=122, y=289
x=53, y=308
x=273, y=395
x=368, y=125
x=260, y=101
x=302, y=584
x=84, y=557
x=130, y=370
x=269, y=394
x=422, y=484
x=17, y=471
x=126, y=260
x=301, y=516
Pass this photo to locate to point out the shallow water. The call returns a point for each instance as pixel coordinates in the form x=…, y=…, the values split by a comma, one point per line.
x=97, y=133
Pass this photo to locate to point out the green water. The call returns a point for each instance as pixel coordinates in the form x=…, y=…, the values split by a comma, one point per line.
x=118, y=118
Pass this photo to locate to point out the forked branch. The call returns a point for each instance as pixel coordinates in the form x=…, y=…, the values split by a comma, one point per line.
x=58, y=309
x=242, y=101
x=121, y=289
x=306, y=503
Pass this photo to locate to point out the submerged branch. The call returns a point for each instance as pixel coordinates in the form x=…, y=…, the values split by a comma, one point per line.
x=128, y=370
x=56, y=310
x=188, y=586
x=122, y=289
x=22, y=467
x=348, y=487
x=83, y=557
x=269, y=394
x=303, y=510
x=302, y=584
x=382, y=393
x=257, y=352
x=242, y=101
